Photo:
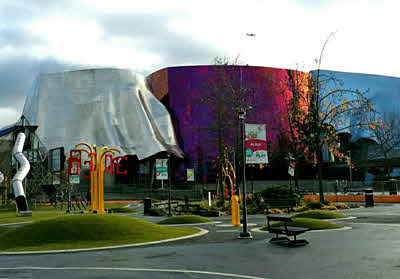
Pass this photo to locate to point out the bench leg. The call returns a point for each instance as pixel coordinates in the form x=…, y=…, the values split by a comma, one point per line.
x=297, y=242
x=278, y=239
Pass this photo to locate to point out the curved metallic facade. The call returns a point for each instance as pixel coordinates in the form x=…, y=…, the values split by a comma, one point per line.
x=183, y=91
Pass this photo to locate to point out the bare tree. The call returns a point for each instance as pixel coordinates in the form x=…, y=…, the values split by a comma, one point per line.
x=385, y=130
x=317, y=114
x=295, y=94
x=228, y=91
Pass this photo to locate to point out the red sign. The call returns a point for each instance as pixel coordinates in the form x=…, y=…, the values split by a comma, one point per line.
x=74, y=163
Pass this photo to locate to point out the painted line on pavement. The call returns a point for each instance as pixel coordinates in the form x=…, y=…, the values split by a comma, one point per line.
x=134, y=269
x=230, y=225
x=227, y=231
x=200, y=233
x=378, y=224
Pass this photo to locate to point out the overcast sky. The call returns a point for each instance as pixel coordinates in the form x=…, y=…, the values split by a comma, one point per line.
x=41, y=36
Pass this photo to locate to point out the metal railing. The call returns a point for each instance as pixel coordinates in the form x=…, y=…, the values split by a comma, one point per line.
x=389, y=187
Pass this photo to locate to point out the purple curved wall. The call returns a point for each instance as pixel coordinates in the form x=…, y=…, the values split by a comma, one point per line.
x=182, y=88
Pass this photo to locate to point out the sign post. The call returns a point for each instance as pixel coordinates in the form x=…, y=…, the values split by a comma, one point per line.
x=162, y=170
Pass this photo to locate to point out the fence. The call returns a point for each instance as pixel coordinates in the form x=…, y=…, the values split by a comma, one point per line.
x=389, y=187
x=139, y=192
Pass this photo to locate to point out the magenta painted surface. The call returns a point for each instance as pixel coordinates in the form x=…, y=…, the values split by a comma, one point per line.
x=186, y=85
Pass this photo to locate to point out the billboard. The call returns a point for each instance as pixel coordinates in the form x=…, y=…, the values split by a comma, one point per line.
x=256, y=144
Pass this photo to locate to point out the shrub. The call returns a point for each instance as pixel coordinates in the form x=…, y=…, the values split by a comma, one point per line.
x=329, y=207
x=300, y=208
x=341, y=205
x=326, y=202
x=157, y=212
x=209, y=213
x=276, y=211
x=280, y=192
x=315, y=205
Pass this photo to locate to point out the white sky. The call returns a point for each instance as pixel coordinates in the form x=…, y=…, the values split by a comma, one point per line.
x=47, y=36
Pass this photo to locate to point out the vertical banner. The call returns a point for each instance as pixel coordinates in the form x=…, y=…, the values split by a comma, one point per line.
x=256, y=144
x=190, y=174
x=56, y=178
x=74, y=165
x=291, y=168
x=161, y=169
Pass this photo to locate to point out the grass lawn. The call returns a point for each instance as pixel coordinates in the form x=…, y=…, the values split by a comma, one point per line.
x=85, y=231
x=43, y=212
x=185, y=219
x=320, y=214
x=312, y=224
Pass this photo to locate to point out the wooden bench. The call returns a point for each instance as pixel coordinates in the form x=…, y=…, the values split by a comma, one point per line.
x=280, y=204
x=285, y=218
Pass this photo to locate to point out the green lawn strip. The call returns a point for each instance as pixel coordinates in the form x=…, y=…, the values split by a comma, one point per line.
x=3, y=229
x=185, y=219
x=43, y=212
x=312, y=224
x=85, y=231
x=11, y=217
x=320, y=214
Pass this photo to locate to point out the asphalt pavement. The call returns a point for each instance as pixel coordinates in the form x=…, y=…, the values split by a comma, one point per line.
x=371, y=249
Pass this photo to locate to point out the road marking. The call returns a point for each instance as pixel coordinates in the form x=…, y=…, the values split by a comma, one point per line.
x=227, y=231
x=133, y=269
x=230, y=225
x=378, y=224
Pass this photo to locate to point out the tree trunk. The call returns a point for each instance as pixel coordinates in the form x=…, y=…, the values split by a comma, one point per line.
x=319, y=168
x=386, y=166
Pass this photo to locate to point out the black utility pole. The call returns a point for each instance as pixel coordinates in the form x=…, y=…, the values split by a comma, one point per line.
x=242, y=117
x=169, y=184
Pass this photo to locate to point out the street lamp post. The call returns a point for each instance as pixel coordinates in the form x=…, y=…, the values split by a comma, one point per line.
x=242, y=116
x=169, y=184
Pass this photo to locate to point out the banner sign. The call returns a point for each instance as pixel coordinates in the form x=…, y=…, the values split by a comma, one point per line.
x=291, y=168
x=256, y=144
x=74, y=179
x=56, y=179
x=190, y=174
x=161, y=169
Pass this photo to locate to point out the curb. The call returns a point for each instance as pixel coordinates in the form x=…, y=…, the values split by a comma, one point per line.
x=200, y=233
x=341, y=229
x=194, y=224
x=13, y=224
x=338, y=219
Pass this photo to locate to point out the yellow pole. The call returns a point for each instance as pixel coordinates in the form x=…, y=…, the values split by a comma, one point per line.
x=235, y=211
x=102, y=152
x=95, y=207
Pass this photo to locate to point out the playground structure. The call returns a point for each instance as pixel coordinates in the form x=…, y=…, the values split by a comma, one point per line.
x=228, y=178
x=97, y=168
x=20, y=197
x=228, y=187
